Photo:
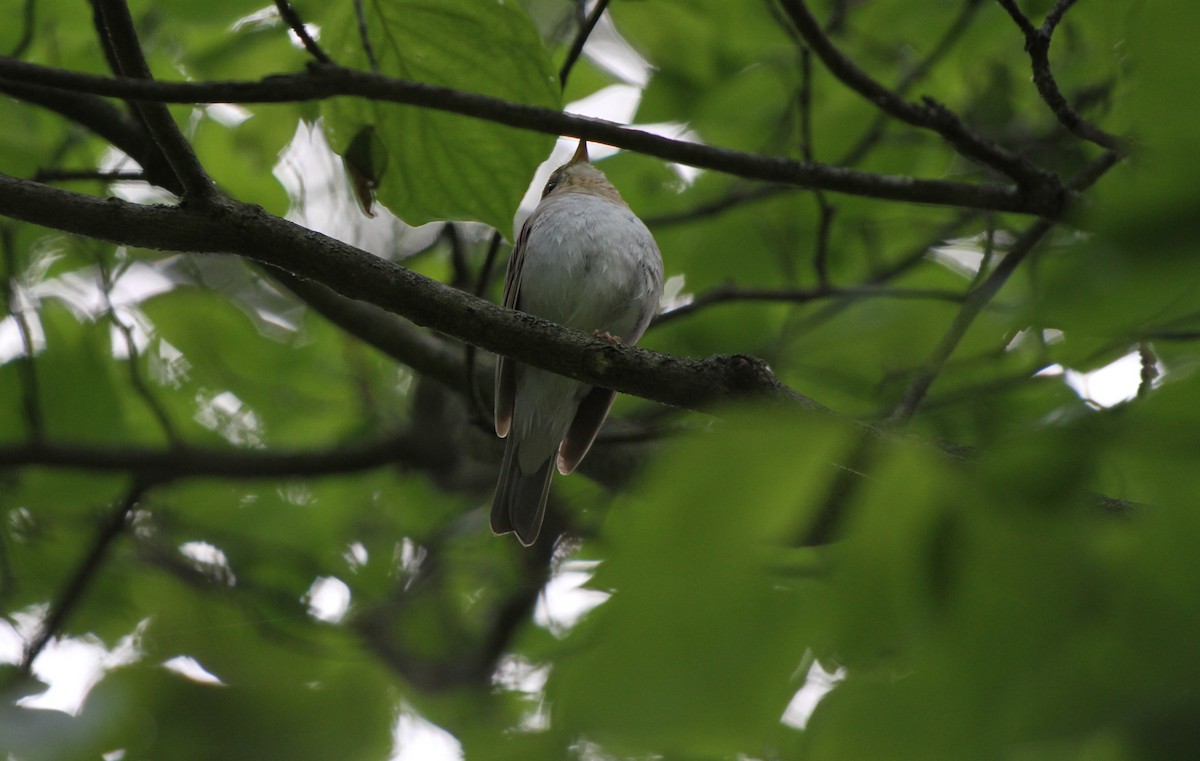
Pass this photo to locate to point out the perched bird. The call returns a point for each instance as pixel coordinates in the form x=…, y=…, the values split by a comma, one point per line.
x=584, y=260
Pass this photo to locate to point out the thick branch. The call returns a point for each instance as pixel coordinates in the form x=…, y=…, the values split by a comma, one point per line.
x=1044, y=199
x=248, y=231
x=426, y=354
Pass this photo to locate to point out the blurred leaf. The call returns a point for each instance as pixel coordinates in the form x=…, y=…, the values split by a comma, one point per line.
x=240, y=156
x=306, y=693
x=79, y=379
x=667, y=661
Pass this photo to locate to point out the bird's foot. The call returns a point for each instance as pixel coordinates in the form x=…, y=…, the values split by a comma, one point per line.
x=604, y=334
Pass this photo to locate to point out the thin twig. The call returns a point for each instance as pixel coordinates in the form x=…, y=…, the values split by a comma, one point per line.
x=126, y=51
x=581, y=38
x=1037, y=44
x=364, y=36
x=489, y=264
x=924, y=377
x=105, y=119
x=70, y=175
x=85, y=574
x=713, y=208
x=930, y=114
x=825, y=210
x=989, y=252
x=913, y=257
x=875, y=131
x=27, y=20
x=1149, y=370
x=458, y=256
x=727, y=293
x=292, y=18
x=135, y=372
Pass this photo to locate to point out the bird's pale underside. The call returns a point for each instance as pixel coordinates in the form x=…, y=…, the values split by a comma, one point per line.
x=584, y=260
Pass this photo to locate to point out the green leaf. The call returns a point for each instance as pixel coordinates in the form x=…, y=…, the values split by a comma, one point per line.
x=669, y=661
x=442, y=166
x=80, y=383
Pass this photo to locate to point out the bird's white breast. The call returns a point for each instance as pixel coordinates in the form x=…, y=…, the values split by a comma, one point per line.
x=591, y=264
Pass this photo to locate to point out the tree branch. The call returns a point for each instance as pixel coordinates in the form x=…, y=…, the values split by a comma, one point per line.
x=924, y=377
x=418, y=350
x=1037, y=44
x=293, y=20
x=234, y=228
x=1047, y=198
x=127, y=53
x=875, y=131
x=729, y=292
x=106, y=120
x=189, y=461
x=932, y=115
x=84, y=575
x=75, y=175
x=585, y=31
x=27, y=18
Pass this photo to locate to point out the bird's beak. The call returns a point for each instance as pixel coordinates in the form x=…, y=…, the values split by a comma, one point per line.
x=580, y=153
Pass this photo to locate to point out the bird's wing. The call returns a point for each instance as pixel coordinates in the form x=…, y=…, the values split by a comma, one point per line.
x=506, y=378
x=589, y=417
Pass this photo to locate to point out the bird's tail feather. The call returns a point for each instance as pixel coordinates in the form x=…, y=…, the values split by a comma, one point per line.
x=520, y=502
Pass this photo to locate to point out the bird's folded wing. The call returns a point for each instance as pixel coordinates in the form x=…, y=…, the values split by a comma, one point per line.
x=506, y=380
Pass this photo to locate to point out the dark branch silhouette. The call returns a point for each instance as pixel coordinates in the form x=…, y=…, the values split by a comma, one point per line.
x=1043, y=198
x=979, y=298
x=1037, y=44
x=293, y=20
x=248, y=231
x=85, y=573
x=188, y=461
x=929, y=115
x=121, y=42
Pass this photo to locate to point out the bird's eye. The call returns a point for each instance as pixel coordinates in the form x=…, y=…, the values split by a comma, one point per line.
x=549, y=186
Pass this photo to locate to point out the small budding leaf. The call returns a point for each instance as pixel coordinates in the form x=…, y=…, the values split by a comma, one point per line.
x=366, y=160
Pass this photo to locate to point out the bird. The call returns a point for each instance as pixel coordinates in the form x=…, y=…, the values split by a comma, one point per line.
x=584, y=260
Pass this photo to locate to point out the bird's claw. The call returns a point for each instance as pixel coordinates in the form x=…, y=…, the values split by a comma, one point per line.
x=605, y=335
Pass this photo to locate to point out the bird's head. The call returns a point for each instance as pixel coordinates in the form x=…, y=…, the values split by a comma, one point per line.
x=579, y=175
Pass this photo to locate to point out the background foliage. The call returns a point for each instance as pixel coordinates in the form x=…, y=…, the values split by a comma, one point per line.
x=1013, y=577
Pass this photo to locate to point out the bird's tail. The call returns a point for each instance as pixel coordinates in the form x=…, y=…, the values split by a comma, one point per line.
x=520, y=502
